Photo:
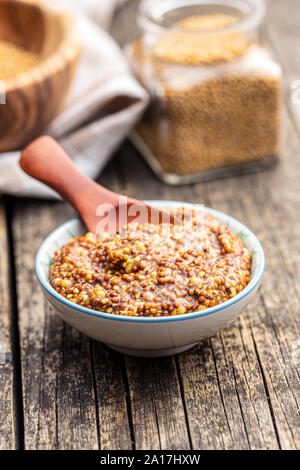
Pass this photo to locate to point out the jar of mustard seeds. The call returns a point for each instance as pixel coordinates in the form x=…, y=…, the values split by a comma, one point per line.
x=215, y=89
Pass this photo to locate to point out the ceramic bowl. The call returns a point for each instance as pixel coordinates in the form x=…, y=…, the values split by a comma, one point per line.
x=149, y=337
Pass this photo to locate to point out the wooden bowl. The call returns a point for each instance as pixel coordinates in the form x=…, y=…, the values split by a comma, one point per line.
x=34, y=97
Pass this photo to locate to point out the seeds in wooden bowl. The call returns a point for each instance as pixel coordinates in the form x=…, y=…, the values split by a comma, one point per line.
x=14, y=60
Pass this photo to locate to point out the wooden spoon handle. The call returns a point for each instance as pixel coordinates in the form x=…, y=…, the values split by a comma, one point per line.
x=45, y=160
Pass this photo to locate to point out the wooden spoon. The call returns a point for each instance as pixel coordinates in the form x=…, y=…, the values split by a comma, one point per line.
x=100, y=209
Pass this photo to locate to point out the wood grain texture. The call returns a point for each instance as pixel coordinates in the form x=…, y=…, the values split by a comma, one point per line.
x=223, y=388
x=266, y=370
x=237, y=390
x=34, y=97
x=274, y=323
x=60, y=410
x=7, y=438
x=154, y=396
x=111, y=399
x=156, y=403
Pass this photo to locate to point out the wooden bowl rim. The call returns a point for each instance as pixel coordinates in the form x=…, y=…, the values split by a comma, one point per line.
x=66, y=53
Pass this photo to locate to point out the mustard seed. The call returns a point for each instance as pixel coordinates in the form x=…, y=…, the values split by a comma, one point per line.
x=165, y=281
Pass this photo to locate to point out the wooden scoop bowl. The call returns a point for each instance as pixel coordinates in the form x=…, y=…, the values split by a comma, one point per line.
x=100, y=209
x=33, y=98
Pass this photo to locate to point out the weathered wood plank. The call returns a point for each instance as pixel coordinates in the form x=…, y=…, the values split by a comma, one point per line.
x=243, y=418
x=157, y=409
x=7, y=438
x=282, y=31
x=281, y=306
x=59, y=381
x=256, y=371
x=207, y=417
x=156, y=404
x=238, y=390
x=114, y=428
x=59, y=409
x=274, y=325
x=224, y=393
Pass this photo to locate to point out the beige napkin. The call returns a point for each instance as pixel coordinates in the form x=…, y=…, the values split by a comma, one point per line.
x=104, y=102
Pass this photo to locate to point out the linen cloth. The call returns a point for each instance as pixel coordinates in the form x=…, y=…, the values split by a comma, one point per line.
x=103, y=104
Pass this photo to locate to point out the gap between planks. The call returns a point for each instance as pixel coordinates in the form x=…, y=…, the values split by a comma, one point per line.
x=8, y=424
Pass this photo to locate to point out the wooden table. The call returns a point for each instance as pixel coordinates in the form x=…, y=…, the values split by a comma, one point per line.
x=237, y=390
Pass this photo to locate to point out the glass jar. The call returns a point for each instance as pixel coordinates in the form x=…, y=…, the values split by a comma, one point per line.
x=215, y=89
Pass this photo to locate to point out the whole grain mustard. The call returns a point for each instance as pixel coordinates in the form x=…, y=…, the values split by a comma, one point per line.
x=154, y=270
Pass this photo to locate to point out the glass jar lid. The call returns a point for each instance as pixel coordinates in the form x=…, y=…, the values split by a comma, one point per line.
x=157, y=15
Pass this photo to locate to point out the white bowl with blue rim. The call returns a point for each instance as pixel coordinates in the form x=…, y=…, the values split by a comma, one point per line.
x=150, y=337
